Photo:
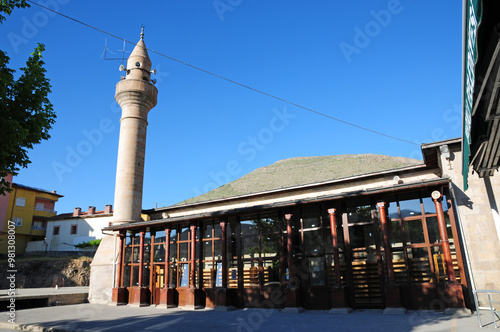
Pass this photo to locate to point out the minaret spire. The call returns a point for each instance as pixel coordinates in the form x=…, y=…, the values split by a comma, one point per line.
x=136, y=95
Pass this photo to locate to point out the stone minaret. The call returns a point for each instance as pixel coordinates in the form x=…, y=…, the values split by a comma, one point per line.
x=136, y=95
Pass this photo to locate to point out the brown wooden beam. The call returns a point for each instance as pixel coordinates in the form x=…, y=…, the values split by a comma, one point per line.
x=387, y=241
x=336, y=256
x=223, y=225
x=289, y=248
x=167, y=258
x=141, y=258
x=193, y=255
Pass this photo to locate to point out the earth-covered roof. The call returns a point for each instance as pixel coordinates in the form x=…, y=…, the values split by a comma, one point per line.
x=305, y=170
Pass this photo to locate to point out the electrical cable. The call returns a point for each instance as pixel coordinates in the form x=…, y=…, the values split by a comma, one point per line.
x=227, y=79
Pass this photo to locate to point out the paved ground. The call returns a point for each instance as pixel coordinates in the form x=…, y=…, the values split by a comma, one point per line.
x=93, y=317
x=27, y=292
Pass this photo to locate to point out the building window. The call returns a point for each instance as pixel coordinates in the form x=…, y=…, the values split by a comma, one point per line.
x=20, y=201
x=56, y=230
x=18, y=221
x=74, y=229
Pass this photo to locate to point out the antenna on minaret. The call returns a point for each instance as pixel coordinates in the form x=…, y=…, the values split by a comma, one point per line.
x=142, y=31
x=106, y=49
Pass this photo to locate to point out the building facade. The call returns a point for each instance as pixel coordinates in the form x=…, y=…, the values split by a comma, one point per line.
x=388, y=239
x=28, y=209
x=66, y=230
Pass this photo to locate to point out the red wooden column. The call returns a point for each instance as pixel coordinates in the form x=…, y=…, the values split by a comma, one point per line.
x=338, y=292
x=387, y=241
x=454, y=291
x=392, y=292
x=437, y=198
x=119, y=295
x=120, y=261
x=292, y=292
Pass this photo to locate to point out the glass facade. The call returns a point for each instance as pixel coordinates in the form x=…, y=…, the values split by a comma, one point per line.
x=259, y=249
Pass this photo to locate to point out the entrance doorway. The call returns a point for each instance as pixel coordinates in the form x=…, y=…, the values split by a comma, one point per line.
x=364, y=258
x=157, y=282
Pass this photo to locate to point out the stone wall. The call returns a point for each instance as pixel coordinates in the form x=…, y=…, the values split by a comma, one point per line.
x=477, y=209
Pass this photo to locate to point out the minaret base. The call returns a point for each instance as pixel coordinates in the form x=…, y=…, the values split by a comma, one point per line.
x=102, y=270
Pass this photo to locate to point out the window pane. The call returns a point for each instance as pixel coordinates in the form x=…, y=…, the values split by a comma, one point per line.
x=147, y=253
x=160, y=236
x=414, y=231
x=313, y=242
x=207, y=250
x=251, y=273
x=135, y=275
x=249, y=227
x=128, y=255
x=445, y=203
x=433, y=228
x=147, y=238
x=439, y=263
x=410, y=208
x=420, y=270
x=145, y=276
x=217, y=249
x=232, y=278
x=392, y=210
x=135, y=254
x=183, y=252
x=250, y=246
x=173, y=252
x=126, y=276
x=429, y=205
x=359, y=214
x=159, y=253
x=207, y=234
x=137, y=239
x=269, y=224
x=173, y=234
x=361, y=236
x=317, y=275
x=395, y=233
x=173, y=276
x=271, y=273
x=270, y=245
x=218, y=230
x=184, y=236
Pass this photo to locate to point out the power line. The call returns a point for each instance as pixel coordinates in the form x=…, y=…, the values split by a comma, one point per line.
x=225, y=78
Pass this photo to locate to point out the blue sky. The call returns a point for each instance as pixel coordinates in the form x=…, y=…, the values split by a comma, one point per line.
x=391, y=66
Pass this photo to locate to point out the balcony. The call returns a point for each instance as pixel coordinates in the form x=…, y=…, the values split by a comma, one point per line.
x=37, y=208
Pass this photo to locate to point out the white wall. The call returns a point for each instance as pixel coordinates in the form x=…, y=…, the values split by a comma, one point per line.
x=89, y=228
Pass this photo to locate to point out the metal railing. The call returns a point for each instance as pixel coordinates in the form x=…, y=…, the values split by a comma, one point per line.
x=491, y=308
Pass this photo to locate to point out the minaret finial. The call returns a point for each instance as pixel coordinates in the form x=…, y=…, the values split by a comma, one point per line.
x=142, y=32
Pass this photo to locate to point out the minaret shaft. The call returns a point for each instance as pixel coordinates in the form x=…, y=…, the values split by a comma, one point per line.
x=136, y=96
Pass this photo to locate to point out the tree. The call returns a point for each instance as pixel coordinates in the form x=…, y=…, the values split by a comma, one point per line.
x=26, y=114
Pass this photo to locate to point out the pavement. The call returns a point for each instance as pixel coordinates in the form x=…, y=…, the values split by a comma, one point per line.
x=35, y=292
x=95, y=317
